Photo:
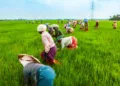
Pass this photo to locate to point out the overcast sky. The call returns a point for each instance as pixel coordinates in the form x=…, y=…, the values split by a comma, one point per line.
x=57, y=9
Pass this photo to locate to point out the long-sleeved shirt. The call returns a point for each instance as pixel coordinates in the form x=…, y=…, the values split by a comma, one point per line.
x=47, y=41
x=66, y=41
x=30, y=71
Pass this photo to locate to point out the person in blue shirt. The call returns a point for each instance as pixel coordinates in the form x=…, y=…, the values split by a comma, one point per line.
x=86, y=24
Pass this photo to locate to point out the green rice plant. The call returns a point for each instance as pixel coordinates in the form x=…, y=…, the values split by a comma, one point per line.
x=96, y=62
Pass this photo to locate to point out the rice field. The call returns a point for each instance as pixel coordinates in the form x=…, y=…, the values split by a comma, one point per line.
x=96, y=62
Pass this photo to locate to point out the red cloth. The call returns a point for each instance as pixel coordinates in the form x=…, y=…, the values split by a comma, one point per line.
x=74, y=43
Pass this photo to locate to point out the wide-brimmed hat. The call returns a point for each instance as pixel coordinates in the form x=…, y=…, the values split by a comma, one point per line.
x=27, y=57
x=54, y=25
x=41, y=27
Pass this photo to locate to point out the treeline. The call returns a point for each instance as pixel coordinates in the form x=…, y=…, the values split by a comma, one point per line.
x=115, y=17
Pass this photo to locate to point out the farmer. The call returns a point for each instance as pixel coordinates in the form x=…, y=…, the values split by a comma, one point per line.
x=69, y=42
x=97, y=24
x=68, y=28
x=82, y=25
x=86, y=24
x=50, y=48
x=54, y=30
x=57, y=34
x=74, y=24
x=114, y=25
x=50, y=29
x=35, y=73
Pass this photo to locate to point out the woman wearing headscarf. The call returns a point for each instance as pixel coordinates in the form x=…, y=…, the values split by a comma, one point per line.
x=50, y=48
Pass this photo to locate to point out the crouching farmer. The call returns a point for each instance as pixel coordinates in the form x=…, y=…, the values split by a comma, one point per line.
x=69, y=42
x=35, y=73
x=50, y=30
x=58, y=33
x=50, y=48
x=68, y=28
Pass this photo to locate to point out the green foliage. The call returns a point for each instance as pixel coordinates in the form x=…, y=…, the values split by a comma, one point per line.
x=115, y=17
x=96, y=62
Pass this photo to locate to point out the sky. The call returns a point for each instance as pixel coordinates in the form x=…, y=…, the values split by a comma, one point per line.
x=58, y=9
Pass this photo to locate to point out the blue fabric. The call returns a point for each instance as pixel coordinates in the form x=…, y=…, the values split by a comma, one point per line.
x=45, y=76
x=85, y=20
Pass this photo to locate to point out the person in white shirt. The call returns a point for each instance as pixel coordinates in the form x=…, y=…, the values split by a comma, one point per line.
x=69, y=42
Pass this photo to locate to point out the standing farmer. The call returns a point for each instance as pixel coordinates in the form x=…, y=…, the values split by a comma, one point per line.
x=97, y=24
x=114, y=25
x=86, y=24
x=50, y=48
x=35, y=73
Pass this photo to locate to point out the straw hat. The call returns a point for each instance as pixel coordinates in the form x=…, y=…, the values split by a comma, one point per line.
x=41, y=27
x=27, y=57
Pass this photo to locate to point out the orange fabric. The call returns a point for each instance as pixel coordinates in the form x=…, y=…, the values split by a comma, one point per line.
x=56, y=62
x=74, y=43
